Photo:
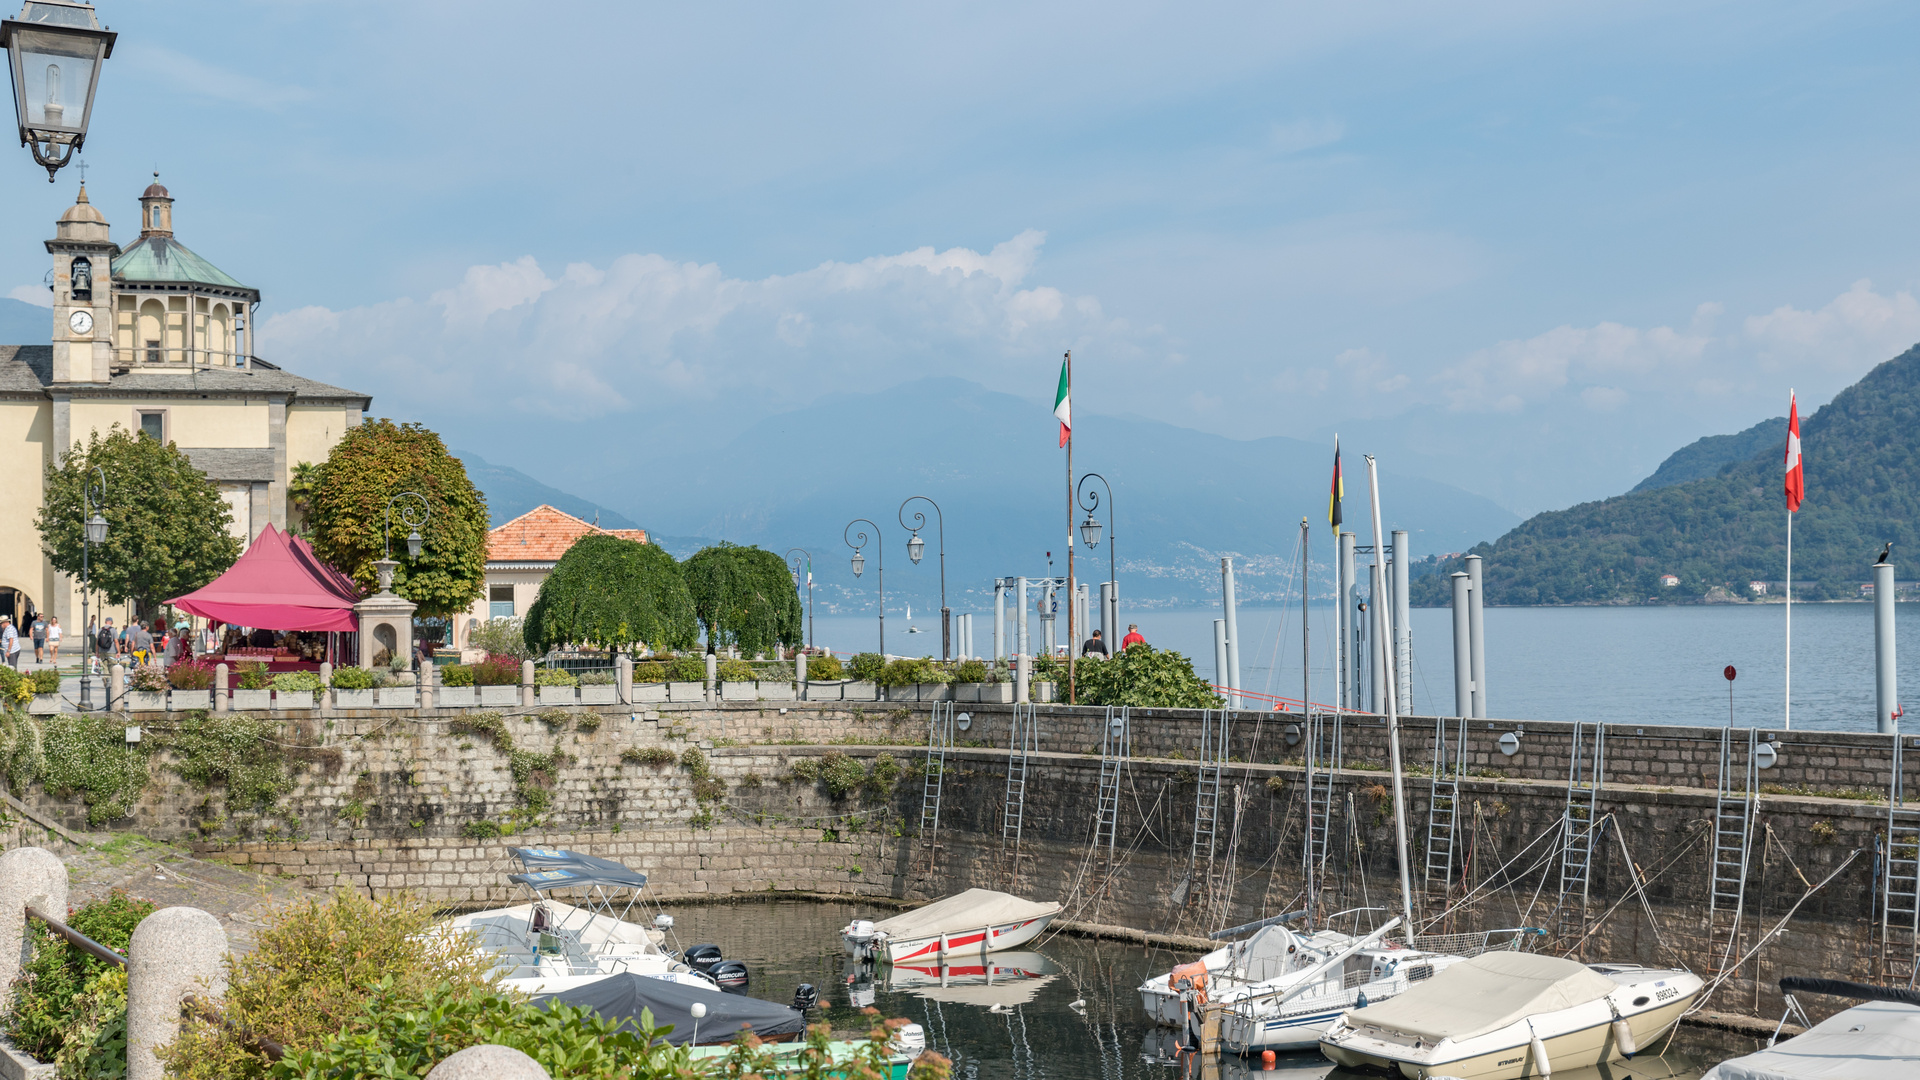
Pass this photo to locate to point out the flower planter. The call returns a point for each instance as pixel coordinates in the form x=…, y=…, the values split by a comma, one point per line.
x=147, y=700
x=739, y=691
x=496, y=697
x=295, y=699
x=456, y=697
x=188, y=700
x=13, y=1063
x=242, y=700
x=686, y=691
x=353, y=699
x=649, y=693
x=44, y=704
x=557, y=695
x=396, y=697
x=825, y=691
x=1043, y=692
x=777, y=691
x=599, y=695
x=933, y=691
x=860, y=691
x=997, y=693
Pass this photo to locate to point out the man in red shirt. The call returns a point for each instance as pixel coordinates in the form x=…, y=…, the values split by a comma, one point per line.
x=1133, y=637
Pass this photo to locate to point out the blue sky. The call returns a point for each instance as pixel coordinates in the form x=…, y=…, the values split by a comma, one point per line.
x=1533, y=248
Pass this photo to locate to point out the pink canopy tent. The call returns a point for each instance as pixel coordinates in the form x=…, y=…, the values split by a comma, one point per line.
x=277, y=584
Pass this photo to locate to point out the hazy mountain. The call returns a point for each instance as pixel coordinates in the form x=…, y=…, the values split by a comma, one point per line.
x=1706, y=457
x=22, y=323
x=511, y=493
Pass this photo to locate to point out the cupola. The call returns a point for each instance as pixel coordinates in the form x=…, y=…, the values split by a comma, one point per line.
x=156, y=210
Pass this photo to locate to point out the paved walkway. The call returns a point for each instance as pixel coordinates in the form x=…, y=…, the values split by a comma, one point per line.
x=169, y=876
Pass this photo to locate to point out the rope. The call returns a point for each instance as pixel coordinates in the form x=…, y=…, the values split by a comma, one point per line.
x=1727, y=972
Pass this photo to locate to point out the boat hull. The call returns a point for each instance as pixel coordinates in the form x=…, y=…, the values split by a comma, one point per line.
x=1585, y=1046
x=984, y=939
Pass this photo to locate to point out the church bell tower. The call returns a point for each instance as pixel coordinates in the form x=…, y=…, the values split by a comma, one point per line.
x=82, y=294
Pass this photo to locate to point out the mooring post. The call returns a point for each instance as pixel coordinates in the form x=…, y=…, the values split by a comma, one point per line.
x=1022, y=678
x=117, y=685
x=1402, y=620
x=1477, y=631
x=30, y=877
x=713, y=676
x=425, y=680
x=1220, y=659
x=487, y=1062
x=219, y=688
x=623, y=676
x=1462, y=648
x=800, y=673
x=526, y=682
x=174, y=952
x=326, y=686
x=1233, y=632
x=1886, y=678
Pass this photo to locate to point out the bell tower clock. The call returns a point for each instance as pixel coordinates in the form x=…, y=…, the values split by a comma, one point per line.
x=82, y=294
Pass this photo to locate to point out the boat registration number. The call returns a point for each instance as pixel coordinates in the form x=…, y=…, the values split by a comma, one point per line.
x=1669, y=992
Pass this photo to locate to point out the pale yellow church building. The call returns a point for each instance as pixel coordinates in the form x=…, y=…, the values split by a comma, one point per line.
x=154, y=338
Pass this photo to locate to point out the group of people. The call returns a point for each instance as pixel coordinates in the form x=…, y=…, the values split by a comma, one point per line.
x=1095, y=645
x=42, y=631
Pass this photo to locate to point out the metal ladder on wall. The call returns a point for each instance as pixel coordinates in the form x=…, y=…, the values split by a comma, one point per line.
x=939, y=740
x=1732, y=829
x=1900, y=880
x=1443, y=806
x=1323, y=760
x=1116, y=745
x=1206, y=801
x=1023, y=741
x=1579, y=826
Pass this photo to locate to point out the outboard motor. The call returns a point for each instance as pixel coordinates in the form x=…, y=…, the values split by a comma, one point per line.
x=805, y=997
x=730, y=974
x=701, y=958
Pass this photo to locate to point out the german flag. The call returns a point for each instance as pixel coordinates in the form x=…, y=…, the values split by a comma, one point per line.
x=1338, y=492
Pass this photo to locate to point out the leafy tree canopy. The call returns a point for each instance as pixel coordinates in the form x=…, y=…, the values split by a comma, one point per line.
x=743, y=596
x=166, y=522
x=347, y=514
x=613, y=592
x=1143, y=677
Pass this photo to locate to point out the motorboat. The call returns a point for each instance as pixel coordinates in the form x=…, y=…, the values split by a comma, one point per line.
x=1002, y=979
x=1880, y=1038
x=548, y=945
x=1505, y=1015
x=1270, y=954
x=623, y=998
x=970, y=923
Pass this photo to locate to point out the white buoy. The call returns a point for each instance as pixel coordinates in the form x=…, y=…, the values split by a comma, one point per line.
x=1540, y=1063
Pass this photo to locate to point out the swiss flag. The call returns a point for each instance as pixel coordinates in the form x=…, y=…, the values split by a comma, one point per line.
x=1796, y=478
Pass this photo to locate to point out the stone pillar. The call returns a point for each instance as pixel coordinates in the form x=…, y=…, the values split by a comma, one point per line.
x=29, y=877
x=488, y=1062
x=117, y=685
x=623, y=678
x=713, y=675
x=386, y=621
x=527, y=694
x=800, y=674
x=326, y=685
x=1022, y=678
x=427, y=674
x=174, y=952
x=219, y=688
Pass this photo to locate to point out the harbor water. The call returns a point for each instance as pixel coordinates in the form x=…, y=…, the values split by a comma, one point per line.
x=1024, y=1024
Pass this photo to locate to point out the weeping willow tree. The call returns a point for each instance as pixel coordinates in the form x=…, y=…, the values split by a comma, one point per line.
x=612, y=592
x=744, y=596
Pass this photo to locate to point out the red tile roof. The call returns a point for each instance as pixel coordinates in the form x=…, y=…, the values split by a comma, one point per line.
x=543, y=534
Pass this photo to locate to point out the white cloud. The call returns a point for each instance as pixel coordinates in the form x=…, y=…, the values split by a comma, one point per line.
x=1858, y=326
x=37, y=295
x=1507, y=376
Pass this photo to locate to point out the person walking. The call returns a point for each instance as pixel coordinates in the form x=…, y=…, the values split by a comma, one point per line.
x=10, y=641
x=39, y=629
x=1133, y=637
x=105, y=645
x=1093, y=646
x=53, y=638
x=139, y=642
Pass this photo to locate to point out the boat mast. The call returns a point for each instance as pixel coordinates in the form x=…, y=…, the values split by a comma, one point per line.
x=1383, y=622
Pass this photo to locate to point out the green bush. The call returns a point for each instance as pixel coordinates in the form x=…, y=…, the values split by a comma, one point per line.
x=488, y=723
x=690, y=668
x=480, y=830
x=656, y=756
x=352, y=678
x=555, y=718
x=824, y=668
x=735, y=671
x=1142, y=677
x=64, y=1002
x=554, y=677
x=840, y=774
x=253, y=675
x=904, y=672
x=649, y=671
x=144, y=677
x=47, y=681
x=588, y=722
x=89, y=756
x=236, y=750
x=14, y=687
x=502, y=637
x=297, y=682
x=456, y=675
x=867, y=666
x=497, y=670
x=602, y=677
x=972, y=671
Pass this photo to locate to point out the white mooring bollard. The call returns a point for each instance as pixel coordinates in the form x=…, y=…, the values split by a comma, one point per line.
x=174, y=952
x=29, y=877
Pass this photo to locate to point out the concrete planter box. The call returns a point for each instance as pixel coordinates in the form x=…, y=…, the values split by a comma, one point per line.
x=244, y=700
x=295, y=699
x=860, y=691
x=188, y=700
x=456, y=697
x=933, y=691
x=353, y=699
x=825, y=691
x=498, y=697
x=739, y=691
x=984, y=692
x=649, y=693
x=399, y=697
x=15, y=1065
x=44, y=704
x=147, y=700
x=599, y=695
x=777, y=691
x=686, y=691
x=1043, y=692
x=557, y=695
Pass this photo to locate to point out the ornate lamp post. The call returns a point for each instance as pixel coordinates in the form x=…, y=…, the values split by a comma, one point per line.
x=54, y=48
x=860, y=564
x=794, y=567
x=96, y=533
x=916, y=547
x=1090, y=535
x=412, y=517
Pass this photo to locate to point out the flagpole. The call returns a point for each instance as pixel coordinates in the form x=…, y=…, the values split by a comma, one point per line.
x=1793, y=437
x=1789, y=717
x=1073, y=597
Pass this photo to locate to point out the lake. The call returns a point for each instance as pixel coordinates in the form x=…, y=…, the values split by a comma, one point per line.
x=1642, y=665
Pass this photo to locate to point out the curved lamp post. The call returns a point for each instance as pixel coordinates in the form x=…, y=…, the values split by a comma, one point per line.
x=860, y=564
x=96, y=533
x=1089, y=500
x=916, y=547
x=412, y=517
x=54, y=52
x=793, y=567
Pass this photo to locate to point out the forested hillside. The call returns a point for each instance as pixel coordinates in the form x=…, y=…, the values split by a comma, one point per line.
x=1706, y=457
x=1862, y=459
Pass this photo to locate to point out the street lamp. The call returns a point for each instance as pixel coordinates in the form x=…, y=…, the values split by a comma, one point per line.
x=96, y=533
x=54, y=48
x=412, y=517
x=1090, y=535
x=917, y=547
x=860, y=562
x=793, y=566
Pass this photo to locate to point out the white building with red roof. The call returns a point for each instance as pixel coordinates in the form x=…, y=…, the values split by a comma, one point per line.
x=520, y=555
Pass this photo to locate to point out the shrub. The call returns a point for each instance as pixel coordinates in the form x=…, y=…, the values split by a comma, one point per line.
x=735, y=671
x=1142, y=677
x=691, y=668
x=297, y=682
x=456, y=675
x=904, y=672
x=49, y=1014
x=236, y=750
x=253, y=675
x=352, y=678
x=881, y=776
x=555, y=718
x=972, y=671
x=596, y=678
x=825, y=667
x=89, y=756
x=649, y=671
x=656, y=756
x=47, y=680
x=488, y=723
x=588, y=722
x=554, y=676
x=146, y=677
x=496, y=670
x=480, y=830
x=501, y=637
x=14, y=686
x=867, y=666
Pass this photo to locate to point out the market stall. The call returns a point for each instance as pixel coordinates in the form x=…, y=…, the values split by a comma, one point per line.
x=279, y=605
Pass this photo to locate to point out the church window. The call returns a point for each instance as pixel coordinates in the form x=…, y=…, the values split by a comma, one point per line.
x=154, y=425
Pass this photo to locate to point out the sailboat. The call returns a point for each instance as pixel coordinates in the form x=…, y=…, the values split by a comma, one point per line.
x=911, y=629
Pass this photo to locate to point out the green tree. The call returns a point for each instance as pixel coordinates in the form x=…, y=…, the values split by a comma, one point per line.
x=167, y=526
x=1142, y=677
x=347, y=518
x=743, y=596
x=613, y=592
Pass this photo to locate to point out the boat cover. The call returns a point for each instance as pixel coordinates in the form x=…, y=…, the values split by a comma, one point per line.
x=969, y=910
x=557, y=858
x=1267, y=954
x=1879, y=1039
x=622, y=997
x=1487, y=993
x=579, y=877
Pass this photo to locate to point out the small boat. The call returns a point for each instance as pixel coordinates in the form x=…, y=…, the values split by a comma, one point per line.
x=621, y=998
x=1505, y=1015
x=1003, y=979
x=1271, y=953
x=1879, y=1039
x=969, y=923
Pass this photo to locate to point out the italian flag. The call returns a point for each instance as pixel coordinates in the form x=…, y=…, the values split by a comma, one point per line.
x=1062, y=407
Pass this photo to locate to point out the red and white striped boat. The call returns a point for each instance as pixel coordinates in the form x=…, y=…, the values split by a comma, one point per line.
x=969, y=923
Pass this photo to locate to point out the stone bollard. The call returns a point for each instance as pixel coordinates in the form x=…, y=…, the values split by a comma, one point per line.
x=1022, y=678
x=174, y=952
x=326, y=685
x=427, y=674
x=29, y=877
x=488, y=1062
x=800, y=674
x=527, y=692
x=623, y=677
x=713, y=675
x=116, y=685
x=219, y=688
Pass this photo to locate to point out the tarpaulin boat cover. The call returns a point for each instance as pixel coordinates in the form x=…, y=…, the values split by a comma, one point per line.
x=621, y=997
x=1878, y=1039
x=277, y=584
x=578, y=877
x=969, y=910
x=1487, y=993
x=559, y=858
x=1267, y=954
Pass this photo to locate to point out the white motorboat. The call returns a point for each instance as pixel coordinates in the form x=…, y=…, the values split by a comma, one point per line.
x=1270, y=954
x=1880, y=1038
x=1506, y=1015
x=969, y=923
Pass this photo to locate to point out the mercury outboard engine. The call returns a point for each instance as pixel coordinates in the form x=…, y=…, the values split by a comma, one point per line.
x=730, y=974
x=805, y=997
x=701, y=958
